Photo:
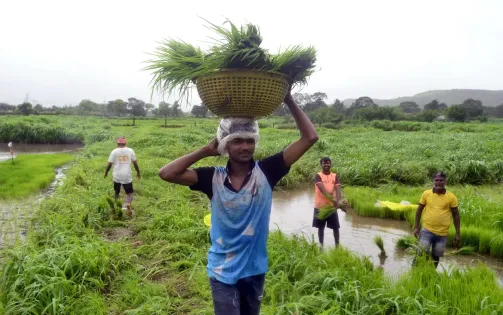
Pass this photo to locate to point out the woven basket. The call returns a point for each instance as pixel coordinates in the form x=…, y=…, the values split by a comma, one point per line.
x=242, y=92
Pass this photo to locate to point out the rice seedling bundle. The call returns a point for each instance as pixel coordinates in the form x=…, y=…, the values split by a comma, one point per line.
x=406, y=242
x=380, y=243
x=465, y=250
x=325, y=212
x=236, y=76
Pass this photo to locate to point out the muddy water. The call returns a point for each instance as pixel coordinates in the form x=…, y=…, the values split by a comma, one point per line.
x=292, y=212
x=20, y=148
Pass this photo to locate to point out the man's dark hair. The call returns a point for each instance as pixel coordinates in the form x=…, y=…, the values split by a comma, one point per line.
x=441, y=174
x=325, y=159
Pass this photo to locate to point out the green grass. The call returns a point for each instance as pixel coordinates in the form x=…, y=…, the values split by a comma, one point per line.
x=70, y=265
x=29, y=174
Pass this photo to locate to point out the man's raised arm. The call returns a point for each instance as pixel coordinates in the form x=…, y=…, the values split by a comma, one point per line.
x=308, y=135
x=178, y=171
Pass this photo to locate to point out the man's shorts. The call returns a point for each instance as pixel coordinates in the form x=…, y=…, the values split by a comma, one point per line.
x=332, y=222
x=429, y=240
x=244, y=297
x=128, y=188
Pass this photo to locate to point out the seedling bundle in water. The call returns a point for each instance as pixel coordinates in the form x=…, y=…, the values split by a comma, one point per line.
x=177, y=64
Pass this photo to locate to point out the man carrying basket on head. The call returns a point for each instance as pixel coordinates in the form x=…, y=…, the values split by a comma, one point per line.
x=241, y=198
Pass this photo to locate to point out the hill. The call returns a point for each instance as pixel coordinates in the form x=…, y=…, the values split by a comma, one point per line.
x=450, y=97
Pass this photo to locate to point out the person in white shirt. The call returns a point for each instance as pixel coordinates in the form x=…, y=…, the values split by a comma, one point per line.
x=121, y=159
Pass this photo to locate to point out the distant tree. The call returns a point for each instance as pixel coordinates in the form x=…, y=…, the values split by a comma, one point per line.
x=498, y=111
x=474, y=108
x=164, y=111
x=435, y=105
x=25, y=108
x=429, y=115
x=325, y=115
x=457, y=113
x=149, y=107
x=314, y=105
x=38, y=108
x=118, y=107
x=377, y=113
x=199, y=111
x=88, y=106
x=175, y=110
x=136, y=108
x=7, y=107
x=338, y=106
x=362, y=102
x=409, y=107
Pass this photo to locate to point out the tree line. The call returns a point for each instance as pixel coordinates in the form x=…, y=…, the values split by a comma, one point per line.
x=364, y=109
x=133, y=107
x=315, y=105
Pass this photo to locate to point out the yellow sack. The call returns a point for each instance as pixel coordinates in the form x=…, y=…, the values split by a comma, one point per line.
x=396, y=205
x=207, y=220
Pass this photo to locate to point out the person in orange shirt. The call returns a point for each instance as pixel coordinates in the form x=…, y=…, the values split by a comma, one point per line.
x=439, y=206
x=327, y=191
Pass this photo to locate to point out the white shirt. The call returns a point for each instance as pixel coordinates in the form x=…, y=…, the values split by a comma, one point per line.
x=121, y=159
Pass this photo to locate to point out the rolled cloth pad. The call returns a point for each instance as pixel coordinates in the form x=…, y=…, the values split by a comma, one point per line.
x=236, y=127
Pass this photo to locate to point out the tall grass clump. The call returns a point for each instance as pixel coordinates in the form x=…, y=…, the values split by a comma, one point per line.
x=24, y=132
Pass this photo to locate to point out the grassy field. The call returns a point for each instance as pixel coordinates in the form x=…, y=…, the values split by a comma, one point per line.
x=29, y=174
x=80, y=260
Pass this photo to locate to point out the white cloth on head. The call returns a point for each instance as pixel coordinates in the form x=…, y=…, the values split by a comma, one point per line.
x=236, y=127
x=121, y=159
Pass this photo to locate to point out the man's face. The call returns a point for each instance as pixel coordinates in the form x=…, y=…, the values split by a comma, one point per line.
x=439, y=182
x=326, y=165
x=241, y=150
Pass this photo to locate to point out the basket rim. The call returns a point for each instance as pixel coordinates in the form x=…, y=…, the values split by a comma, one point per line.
x=244, y=70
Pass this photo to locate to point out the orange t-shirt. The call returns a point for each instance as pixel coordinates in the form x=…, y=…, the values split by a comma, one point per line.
x=329, y=181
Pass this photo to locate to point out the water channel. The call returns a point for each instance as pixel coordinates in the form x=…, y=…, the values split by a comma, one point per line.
x=292, y=213
x=26, y=148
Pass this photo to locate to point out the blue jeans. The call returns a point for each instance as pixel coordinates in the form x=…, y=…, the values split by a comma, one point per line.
x=242, y=298
x=431, y=240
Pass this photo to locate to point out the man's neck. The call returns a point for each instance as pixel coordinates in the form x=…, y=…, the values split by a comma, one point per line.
x=239, y=169
x=326, y=172
x=439, y=190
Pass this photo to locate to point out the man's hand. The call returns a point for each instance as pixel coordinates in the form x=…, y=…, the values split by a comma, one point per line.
x=416, y=232
x=455, y=242
x=106, y=174
x=288, y=97
x=335, y=203
x=138, y=176
x=212, y=148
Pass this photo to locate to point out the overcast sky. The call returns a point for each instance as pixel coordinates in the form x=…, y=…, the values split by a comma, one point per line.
x=61, y=52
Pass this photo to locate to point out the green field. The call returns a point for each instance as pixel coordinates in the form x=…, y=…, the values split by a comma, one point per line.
x=29, y=173
x=79, y=260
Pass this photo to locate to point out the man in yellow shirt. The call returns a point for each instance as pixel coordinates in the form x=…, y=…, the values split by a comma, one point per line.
x=439, y=206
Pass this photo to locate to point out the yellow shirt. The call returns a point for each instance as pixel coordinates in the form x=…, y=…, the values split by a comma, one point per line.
x=437, y=211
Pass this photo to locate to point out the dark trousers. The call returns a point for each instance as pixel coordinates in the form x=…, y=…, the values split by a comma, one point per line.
x=242, y=298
